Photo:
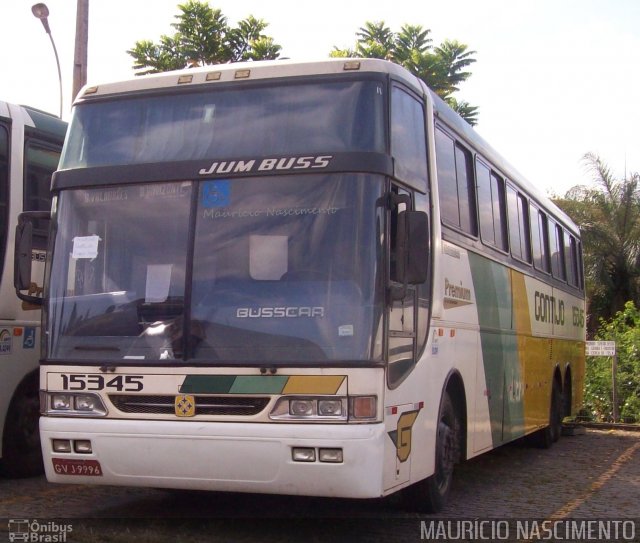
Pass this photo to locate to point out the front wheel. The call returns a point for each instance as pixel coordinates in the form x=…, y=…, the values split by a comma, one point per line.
x=21, y=453
x=430, y=495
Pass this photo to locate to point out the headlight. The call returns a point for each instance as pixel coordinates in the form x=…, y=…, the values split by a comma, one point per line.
x=301, y=408
x=87, y=402
x=88, y=405
x=329, y=408
x=310, y=409
x=61, y=402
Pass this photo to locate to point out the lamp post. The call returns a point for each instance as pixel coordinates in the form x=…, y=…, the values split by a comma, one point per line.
x=41, y=11
x=80, y=53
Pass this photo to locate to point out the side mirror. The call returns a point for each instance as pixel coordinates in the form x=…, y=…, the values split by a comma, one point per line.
x=24, y=256
x=412, y=250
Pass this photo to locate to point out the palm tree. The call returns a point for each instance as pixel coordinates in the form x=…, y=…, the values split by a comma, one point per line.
x=375, y=40
x=203, y=37
x=609, y=217
x=442, y=68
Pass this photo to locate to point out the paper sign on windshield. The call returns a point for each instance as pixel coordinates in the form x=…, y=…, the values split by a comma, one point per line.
x=85, y=247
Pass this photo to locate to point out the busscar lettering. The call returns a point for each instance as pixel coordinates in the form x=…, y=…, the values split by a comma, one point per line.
x=267, y=165
x=279, y=312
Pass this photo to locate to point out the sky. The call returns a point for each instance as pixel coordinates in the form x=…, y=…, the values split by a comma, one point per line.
x=554, y=79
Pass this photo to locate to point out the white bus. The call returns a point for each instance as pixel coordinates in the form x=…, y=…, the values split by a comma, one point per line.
x=30, y=145
x=298, y=278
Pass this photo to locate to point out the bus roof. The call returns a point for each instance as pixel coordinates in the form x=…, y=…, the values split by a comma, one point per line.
x=40, y=120
x=248, y=71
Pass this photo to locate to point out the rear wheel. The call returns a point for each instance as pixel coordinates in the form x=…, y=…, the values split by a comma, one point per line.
x=430, y=495
x=546, y=437
x=556, y=414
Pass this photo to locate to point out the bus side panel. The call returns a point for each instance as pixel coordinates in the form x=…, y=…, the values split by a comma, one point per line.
x=501, y=352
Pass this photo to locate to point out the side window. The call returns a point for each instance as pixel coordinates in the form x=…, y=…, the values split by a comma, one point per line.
x=540, y=239
x=447, y=186
x=408, y=140
x=485, y=208
x=518, y=225
x=571, y=259
x=580, y=267
x=40, y=161
x=4, y=190
x=491, y=207
x=499, y=211
x=557, y=251
x=455, y=184
x=401, y=317
x=466, y=191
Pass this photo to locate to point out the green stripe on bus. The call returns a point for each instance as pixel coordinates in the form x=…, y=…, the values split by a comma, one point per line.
x=207, y=384
x=259, y=384
x=500, y=357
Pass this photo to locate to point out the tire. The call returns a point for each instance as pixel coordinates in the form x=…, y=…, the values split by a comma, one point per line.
x=543, y=439
x=556, y=412
x=430, y=495
x=21, y=453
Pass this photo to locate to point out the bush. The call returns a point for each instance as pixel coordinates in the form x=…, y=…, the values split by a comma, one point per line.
x=624, y=329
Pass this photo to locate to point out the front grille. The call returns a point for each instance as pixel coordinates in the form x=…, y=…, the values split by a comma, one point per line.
x=205, y=405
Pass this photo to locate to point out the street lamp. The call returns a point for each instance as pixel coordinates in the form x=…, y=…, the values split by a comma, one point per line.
x=41, y=11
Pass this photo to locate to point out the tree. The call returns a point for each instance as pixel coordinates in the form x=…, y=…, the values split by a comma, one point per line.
x=203, y=37
x=442, y=68
x=609, y=217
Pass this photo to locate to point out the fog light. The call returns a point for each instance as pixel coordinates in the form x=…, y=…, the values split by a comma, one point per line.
x=61, y=445
x=330, y=455
x=303, y=454
x=82, y=446
x=61, y=402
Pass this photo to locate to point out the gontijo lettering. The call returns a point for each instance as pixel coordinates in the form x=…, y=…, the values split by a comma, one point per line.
x=548, y=309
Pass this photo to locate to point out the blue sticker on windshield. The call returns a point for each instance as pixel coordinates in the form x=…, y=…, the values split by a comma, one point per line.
x=216, y=194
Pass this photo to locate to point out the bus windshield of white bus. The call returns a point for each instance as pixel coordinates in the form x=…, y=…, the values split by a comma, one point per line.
x=258, y=269
x=256, y=121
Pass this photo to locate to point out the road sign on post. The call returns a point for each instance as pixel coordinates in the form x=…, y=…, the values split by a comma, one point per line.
x=607, y=348
x=601, y=348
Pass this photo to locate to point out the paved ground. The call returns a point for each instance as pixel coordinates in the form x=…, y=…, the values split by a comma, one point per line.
x=591, y=476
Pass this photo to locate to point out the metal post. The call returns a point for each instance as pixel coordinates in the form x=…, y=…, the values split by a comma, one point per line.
x=80, y=52
x=614, y=387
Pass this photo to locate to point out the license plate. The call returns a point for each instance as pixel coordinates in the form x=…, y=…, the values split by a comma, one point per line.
x=67, y=466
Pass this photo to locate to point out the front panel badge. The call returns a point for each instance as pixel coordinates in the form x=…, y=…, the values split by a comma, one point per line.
x=185, y=405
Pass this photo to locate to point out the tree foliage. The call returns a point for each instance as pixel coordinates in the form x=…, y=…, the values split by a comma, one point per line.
x=442, y=68
x=203, y=37
x=609, y=218
x=624, y=329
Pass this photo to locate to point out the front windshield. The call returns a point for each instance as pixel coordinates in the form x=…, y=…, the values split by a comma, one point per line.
x=285, y=270
x=223, y=122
